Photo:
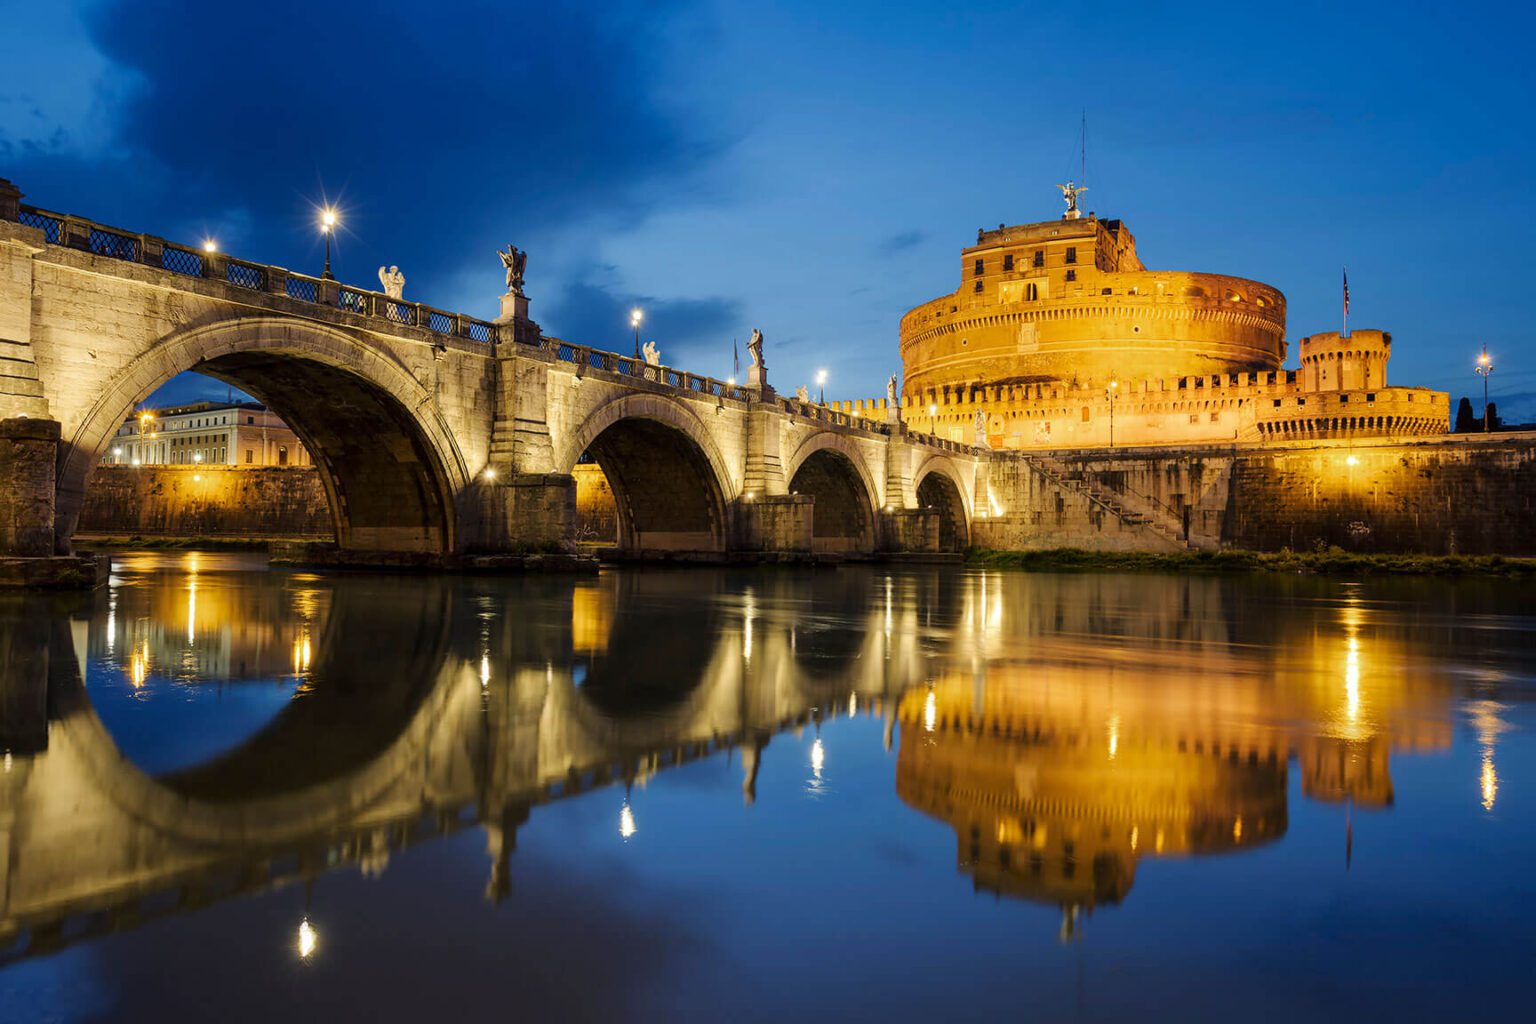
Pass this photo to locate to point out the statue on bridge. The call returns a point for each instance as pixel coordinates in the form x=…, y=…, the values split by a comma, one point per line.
x=980, y=428
x=803, y=395
x=392, y=281
x=890, y=392
x=652, y=354
x=757, y=373
x=515, y=261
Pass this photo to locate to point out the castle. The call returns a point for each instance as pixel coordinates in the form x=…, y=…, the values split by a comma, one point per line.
x=1059, y=337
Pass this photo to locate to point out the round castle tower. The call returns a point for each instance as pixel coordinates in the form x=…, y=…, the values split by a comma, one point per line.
x=1345, y=362
x=1066, y=300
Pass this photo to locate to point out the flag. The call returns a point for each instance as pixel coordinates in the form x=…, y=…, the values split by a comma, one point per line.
x=735, y=359
x=1346, y=292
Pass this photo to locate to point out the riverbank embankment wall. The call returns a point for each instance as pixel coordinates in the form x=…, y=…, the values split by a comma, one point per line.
x=206, y=501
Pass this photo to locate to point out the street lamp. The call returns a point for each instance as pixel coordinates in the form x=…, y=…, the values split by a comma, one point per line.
x=821, y=382
x=209, y=245
x=635, y=316
x=328, y=228
x=1484, y=369
x=1111, y=391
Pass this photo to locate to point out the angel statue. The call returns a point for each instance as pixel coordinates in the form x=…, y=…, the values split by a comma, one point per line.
x=755, y=349
x=514, y=260
x=803, y=395
x=890, y=391
x=981, y=429
x=1070, y=192
x=652, y=354
x=392, y=281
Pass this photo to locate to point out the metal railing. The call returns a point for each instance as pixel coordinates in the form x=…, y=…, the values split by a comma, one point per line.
x=148, y=250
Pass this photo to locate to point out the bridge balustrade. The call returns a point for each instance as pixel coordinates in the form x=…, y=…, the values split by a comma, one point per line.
x=60, y=229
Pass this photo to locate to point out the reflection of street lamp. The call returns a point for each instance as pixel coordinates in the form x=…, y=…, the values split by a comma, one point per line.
x=328, y=228
x=309, y=939
x=821, y=382
x=635, y=316
x=1111, y=391
x=1484, y=369
x=626, y=821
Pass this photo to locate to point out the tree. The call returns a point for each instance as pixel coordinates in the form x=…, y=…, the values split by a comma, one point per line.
x=1465, y=421
x=1494, y=423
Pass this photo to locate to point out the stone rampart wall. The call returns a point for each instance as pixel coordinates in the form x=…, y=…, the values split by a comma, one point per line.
x=223, y=501
x=1454, y=494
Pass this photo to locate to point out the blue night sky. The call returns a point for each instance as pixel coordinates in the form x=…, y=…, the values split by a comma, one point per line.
x=808, y=168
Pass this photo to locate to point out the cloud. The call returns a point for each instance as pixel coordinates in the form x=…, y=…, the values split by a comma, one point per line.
x=902, y=241
x=442, y=133
x=593, y=310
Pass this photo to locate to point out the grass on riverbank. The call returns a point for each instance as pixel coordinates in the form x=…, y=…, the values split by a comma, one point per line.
x=1333, y=561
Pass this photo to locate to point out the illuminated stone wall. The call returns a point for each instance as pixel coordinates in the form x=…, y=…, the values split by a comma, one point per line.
x=187, y=501
x=1455, y=494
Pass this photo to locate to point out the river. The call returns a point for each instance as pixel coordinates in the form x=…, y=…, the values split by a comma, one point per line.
x=863, y=793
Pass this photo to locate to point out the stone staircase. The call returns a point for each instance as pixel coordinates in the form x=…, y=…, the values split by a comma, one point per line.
x=1159, y=521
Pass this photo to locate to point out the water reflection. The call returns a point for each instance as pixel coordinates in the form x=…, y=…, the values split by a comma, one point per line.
x=1065, y=728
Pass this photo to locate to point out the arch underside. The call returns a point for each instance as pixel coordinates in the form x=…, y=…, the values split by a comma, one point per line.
x=664, y=487
x=385, y=489
x=938, y=492
x=842, y=518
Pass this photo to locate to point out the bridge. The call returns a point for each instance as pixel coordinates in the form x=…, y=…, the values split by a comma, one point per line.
x=436, y=434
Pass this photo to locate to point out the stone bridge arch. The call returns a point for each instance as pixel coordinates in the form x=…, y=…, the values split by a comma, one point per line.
x=833, y=468
x=671, y=483
x=391, y=466
x=939, y=485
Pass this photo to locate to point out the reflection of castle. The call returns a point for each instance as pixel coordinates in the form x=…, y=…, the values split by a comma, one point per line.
x=1060, y=770
x=1059, y=808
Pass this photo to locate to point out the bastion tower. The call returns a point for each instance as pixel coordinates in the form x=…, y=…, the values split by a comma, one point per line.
x=1069, y=300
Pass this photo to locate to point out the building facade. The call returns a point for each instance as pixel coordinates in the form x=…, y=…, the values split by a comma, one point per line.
x=1060, y=337
x=206, y=433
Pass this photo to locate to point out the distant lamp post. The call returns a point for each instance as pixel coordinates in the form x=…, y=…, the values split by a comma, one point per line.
x=635, y=316
x=821, y=382
x=1111, y=391
x=1484, y=369
x=328, y=228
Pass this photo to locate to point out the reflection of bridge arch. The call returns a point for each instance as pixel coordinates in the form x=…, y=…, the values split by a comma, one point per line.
x=831, y=468
x=670, y=482
x=340, y=748
x=389, y=462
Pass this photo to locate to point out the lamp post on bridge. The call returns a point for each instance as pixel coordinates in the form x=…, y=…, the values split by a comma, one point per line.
x=1484, y=369
x=635, y=316
x=327, y=228
x=821, y=382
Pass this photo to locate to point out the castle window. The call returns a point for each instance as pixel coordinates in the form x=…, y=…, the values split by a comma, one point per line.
x=1106, y=291
x=1071, y=275
x=1194, y=417
x=1071, y=254
x=1370, y=398
x=1039, y=257
x=1086, y=414
x=1215, y=417
x=1343, y=399
x=1008, y=262
x=1277, y=403
x=1031, y=291
x=978, y=286
x=1301, y=401
x=981, y=265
